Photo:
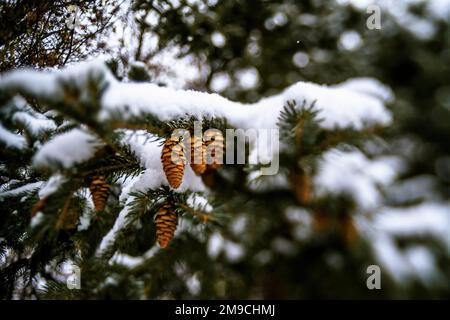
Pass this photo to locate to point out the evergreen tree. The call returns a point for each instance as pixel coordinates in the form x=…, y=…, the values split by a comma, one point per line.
x=88, y=179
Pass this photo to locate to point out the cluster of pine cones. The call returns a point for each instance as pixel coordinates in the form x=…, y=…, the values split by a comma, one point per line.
x=166, y=219
x=173, y=156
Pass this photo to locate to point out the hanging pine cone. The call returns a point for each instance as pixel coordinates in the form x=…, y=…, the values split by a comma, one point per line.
x=173, y=159
x=214, y=143
x=166, y=221
x=100, y=192
x=198, y=154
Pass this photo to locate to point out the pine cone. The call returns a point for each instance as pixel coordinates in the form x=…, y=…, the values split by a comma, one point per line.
x=173, y=159
x=198, y=154
x=166, y=221
x=100, y=192
x=214, y=149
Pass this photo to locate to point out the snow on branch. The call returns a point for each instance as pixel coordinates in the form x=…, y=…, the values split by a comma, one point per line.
x=425, y=219
x=67, y=149
x=355, y=103
x=345, y=105
x=353, y=174
x=21, y=190
x=12, y=140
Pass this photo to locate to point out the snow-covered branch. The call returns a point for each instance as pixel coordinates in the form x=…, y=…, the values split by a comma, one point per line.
x=355, y=103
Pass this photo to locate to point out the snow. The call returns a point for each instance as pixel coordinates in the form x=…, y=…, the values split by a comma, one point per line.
x=67, y=149
x=86, y=216
x=32, y=82
x=369, y=86
x=425, y=219
x=49, y=84
x=12, y=140
x=353, y=174
x=234, y=252
x=440, y=9
x=428, y=218
x=422, y=187
x=415, y=262
x=20, y=190
x=193, y=284
x=131, y=261
x=239, y=225
x=51, y=185
x=34, y=124
x=262, y=183
x=199, y=202
x=37, y=219
x=85, y=221
x=119, y=224
x=340, y=106
x=422, y=262
x=301, y=221
x=217, y=244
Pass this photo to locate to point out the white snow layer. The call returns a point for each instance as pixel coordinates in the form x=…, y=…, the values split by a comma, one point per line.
x=429, y=218
x=119, y=224
x=12, y=140
x=49, y=84
x=354, y=103
x=353, y=174
x=340, y=106
x=23, y=189
x=67, y=149
x=35, y=125
x=426, y=219
x=51, y=185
